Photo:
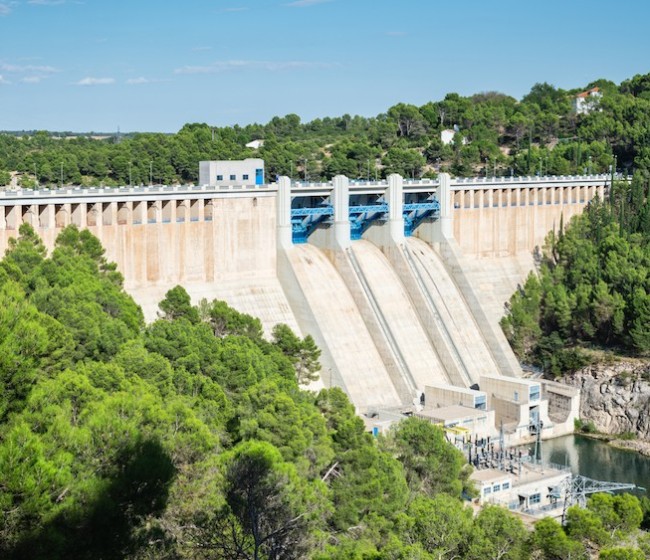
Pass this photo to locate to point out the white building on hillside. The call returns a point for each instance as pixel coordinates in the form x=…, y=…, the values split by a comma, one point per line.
x=447, y=136
x=586, y=101
x=255, y=144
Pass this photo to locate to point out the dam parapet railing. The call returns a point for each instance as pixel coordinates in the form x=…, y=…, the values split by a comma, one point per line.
x=462, y=183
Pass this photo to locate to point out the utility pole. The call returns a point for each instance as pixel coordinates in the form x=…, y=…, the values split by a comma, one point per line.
x=305, y=170
x=62, y=174
x=151, y=173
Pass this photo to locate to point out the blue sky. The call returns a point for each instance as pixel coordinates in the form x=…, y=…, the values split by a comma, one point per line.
x=145, y=65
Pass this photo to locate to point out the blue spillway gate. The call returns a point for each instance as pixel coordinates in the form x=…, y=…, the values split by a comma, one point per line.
x=415, y=212
x=362, y=216
x=305, y=220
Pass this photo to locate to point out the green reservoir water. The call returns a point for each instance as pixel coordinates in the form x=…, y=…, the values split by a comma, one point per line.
x=596, y=459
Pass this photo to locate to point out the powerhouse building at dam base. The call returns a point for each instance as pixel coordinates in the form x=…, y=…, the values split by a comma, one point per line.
x=401, y=283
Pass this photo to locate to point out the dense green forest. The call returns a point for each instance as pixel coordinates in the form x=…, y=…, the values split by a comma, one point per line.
x=592, y=289
x=497, y=134
x=191, y=437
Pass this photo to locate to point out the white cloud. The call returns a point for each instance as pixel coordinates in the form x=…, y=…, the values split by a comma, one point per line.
x=88, y=81
x=5, y=9
x=46, y=2
x=16, y=68
x=3, y=81
x=306, y=3
x=270, y=66
x=28, y=73
x=138, y=81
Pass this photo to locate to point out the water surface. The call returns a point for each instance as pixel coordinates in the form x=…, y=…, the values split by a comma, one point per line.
x=596, y=459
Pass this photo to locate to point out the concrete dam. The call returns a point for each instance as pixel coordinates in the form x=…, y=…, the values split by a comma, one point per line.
x=400, y=283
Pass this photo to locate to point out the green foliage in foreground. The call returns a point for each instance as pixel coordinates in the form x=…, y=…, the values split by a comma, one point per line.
x=191, y=438
x=593, y=286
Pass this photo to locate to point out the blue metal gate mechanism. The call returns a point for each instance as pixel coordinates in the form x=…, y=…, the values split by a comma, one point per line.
x=305, y=220
x=415, y=212
x=362, y=216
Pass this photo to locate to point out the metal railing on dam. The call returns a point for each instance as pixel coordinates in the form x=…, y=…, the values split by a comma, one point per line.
x=10, y=197
x=123, y=194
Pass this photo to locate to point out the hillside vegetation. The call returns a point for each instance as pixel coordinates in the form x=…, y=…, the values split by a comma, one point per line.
x=496, y=134
x=191, y=438
x=592, y=290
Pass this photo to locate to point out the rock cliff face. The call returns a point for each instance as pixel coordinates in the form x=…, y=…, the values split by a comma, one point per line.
x=615, y=397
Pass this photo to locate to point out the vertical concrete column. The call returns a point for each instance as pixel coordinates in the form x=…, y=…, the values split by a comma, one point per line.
x=173, y=210
x=66, y=211
x=601, y=192
x=472, y=203
x=83, y=214
x=111, y=213
x=3, y=221
x=129, y=212
x=341, y=203
x=283, y=213
x=139, y=213
x=444, y=197
x=99, y=215
x=50, y=217
x=31, y=216
x=200, y=208
x=395, y=198
x=481, y=199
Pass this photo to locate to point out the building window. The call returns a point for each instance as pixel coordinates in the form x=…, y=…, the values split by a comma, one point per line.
x=506, y=485
x=219, y=177
x=535, y=499
x=534, y=393
x=487, y=490
x=496, y=488
x=233, y=177
x=245, y=177
x=516, y=396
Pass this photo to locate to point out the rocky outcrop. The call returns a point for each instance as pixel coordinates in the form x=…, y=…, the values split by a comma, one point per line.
x=615, y=397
